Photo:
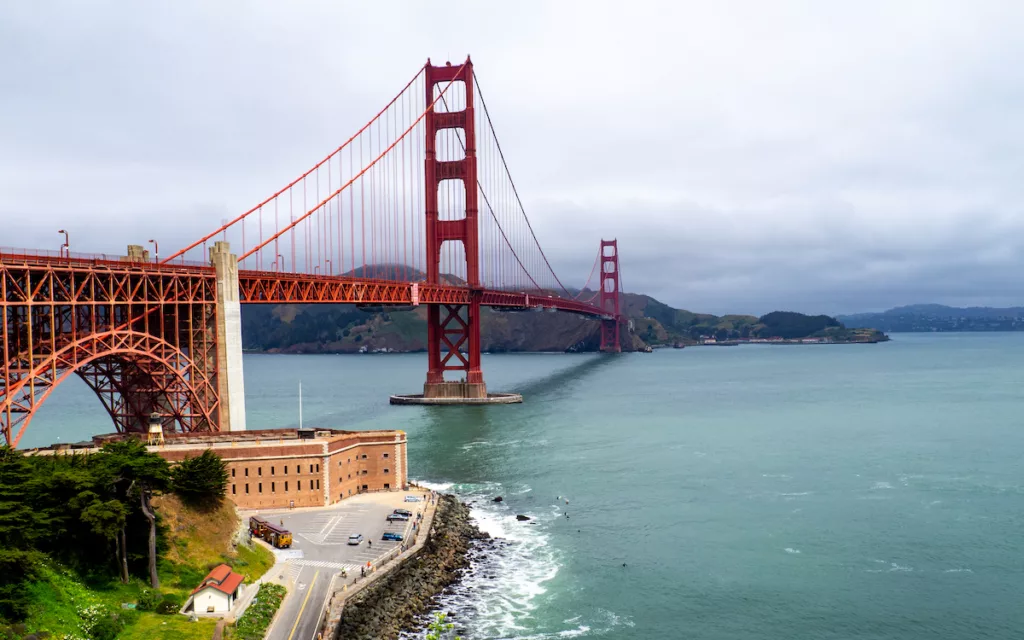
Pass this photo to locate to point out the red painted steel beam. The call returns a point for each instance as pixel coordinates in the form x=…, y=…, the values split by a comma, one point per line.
x=269, y=287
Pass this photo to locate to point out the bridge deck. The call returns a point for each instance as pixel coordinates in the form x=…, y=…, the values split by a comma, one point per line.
x=269, y=287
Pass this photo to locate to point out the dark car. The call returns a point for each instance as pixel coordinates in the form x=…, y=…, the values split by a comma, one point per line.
x=392, y=517
x=403, y=512
x=397, y=537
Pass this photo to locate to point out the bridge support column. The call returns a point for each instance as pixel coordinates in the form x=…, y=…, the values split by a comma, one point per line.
x=453, y=331
x=610, y=340
x=230, y=381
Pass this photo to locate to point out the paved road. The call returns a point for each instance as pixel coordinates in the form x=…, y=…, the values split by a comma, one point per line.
x=320, y=551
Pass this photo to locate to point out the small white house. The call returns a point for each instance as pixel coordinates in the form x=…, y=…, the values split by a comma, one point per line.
x=218, y=591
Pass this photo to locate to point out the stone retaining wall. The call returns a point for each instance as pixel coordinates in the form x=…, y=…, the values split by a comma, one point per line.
x=396, y=601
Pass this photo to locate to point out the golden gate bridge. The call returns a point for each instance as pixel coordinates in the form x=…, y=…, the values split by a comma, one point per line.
x=418, y=207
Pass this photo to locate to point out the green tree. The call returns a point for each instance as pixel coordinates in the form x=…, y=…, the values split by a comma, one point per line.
x=438, y=628
x=106, y=518
x=20, y=525
x=17, y=573
x=202, y=478
x=134, y=473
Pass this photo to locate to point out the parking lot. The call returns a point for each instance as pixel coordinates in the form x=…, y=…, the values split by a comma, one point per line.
x=320, y=551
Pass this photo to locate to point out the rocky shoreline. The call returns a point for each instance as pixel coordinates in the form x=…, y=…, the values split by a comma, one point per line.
x=399, y=601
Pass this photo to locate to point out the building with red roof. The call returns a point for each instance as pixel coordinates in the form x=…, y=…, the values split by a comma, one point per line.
x=218, y=591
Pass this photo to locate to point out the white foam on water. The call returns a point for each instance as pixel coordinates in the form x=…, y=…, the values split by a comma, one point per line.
x=791, y=550
x=507, y=578
x=434, y=486
x=962, y=570
x=881, y=485
x=798, y=493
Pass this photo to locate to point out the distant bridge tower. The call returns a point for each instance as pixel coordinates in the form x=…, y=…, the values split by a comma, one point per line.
x=610, y=296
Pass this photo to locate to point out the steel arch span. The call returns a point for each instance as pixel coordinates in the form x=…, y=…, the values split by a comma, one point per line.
x=134, y=374
x=142, y=339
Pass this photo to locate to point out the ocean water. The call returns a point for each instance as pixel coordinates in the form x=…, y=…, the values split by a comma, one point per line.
x=861, y=491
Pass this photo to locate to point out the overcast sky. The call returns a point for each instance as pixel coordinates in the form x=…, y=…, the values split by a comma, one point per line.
x=749, y=156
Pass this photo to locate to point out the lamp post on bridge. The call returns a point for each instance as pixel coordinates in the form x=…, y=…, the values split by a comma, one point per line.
x=330, y=267
x=65, y=249
x=316, y=270
x=280, y=262
x=156, y=250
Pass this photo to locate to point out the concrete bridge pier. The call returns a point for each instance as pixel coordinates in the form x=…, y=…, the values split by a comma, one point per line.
x=230, y=382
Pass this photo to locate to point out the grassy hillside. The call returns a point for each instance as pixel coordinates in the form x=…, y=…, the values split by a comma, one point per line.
x=65, y=603
x=346, y=329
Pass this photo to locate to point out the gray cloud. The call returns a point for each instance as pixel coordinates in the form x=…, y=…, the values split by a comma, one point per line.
x=749, y=156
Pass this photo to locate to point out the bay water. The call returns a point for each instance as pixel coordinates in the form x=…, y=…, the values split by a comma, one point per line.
x=818, y=491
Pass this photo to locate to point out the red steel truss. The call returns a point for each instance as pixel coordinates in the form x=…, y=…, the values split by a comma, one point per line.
x=142, y=337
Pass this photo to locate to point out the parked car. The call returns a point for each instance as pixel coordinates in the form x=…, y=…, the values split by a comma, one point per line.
x=394, y=517
x=355, y=538
x=403, y=512
x=388, y=535
x=412, y=498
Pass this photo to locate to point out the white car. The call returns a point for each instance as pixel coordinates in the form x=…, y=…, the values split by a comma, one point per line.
x=355, y=538
x=412, y=498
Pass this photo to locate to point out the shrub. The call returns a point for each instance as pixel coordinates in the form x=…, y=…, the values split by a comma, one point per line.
x=200, y=478
x=148, y=600
x=169, y=605
x=19, y=632
x=17, y=571
x=254, y=622
x=105, y=629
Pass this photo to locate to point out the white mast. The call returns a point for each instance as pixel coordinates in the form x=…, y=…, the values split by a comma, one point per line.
x=300, y=404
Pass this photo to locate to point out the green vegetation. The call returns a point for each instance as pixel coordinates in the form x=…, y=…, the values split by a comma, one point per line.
x=254, y=622
x=658, y=324
x=81, y=532
x=168, y=628
x=345, y=329
x=202, y=479
x=438, y=628
x=789, y=325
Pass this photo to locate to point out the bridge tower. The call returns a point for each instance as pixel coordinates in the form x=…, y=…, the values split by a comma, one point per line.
x=610, y=299
x=453, y=331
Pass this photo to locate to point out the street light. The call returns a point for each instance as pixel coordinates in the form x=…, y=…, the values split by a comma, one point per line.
x=330, y=267
x=156, y=250
x=66, y=247
x=316, y=270
x=280, y=262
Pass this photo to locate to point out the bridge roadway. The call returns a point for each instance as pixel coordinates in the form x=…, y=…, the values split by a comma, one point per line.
x=266, y=287
x=320, y=551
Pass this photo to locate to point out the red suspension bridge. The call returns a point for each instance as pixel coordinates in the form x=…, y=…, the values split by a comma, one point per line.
x=418, y=207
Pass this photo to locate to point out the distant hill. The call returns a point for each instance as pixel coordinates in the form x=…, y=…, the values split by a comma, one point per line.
x=937, y=317
x=341, y=328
